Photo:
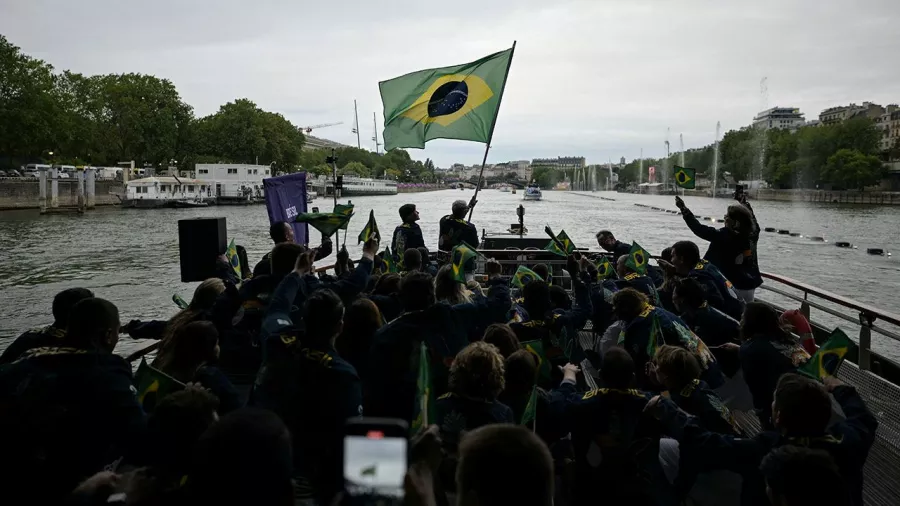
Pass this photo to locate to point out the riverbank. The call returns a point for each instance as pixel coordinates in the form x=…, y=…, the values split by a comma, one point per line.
x=830, y=197
x=24, y=193
x=873, y=198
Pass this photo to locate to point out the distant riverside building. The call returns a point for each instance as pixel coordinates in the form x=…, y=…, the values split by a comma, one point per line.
x=834, y=115
x=319, y=143
x=889, y=124
x=786, y=118
x=559, y=163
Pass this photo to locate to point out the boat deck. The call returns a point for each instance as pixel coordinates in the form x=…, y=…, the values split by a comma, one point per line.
x=875, y=377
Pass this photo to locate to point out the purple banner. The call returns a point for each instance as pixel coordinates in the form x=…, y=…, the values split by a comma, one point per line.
x=285, y=199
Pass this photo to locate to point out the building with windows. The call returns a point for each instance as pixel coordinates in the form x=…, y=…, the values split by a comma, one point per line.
x=889, y=125
x=787, y=118
x=233, y=181
x=834, y=115
x=559, y=163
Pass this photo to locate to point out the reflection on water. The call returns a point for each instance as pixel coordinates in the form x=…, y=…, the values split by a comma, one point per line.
x=130, y=256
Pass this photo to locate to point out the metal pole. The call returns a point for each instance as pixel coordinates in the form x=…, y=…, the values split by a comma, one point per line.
x=487, y=147
x=356, y=115
x=375, y=126
x=334, y=188
x=42, y=187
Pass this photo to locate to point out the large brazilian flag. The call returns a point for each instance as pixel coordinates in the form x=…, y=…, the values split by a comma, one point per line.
x=458, y=102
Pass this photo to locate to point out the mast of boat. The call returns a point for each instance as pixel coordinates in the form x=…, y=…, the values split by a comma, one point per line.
x=375, y=137
x=356, y=124
x=487, y=146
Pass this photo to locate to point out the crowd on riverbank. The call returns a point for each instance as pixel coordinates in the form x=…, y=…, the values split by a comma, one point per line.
x=246, y=398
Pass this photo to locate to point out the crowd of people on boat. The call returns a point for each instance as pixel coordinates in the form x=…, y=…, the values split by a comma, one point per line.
x=257, y=377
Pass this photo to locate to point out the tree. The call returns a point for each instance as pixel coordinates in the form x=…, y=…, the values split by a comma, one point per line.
x=852, y=169
x=356, y=169
x=28, y=105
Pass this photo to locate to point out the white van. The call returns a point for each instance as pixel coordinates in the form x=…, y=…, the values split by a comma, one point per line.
x=34, y=169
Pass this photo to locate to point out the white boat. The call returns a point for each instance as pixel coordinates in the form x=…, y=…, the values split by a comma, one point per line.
x=359, y=186
x=505, y=189
x=532, y=192
x=164, y=191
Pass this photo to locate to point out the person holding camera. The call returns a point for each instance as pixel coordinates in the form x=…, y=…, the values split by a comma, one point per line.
x=732, y=248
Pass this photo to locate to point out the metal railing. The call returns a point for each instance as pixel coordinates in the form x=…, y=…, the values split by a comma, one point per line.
x=866, y=315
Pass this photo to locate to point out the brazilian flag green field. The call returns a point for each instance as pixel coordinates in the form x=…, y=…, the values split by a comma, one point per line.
x=458, y=102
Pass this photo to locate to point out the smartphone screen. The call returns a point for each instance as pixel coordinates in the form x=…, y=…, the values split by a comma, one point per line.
x=375, y=464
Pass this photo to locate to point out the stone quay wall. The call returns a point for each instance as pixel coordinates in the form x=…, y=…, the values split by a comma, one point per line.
x=23, y=193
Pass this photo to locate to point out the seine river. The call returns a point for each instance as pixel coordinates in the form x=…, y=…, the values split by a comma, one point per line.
x=130, y=256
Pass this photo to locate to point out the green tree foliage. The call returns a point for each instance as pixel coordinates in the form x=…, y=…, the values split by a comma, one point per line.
x=104, y=119
x=851, y=169
x=241, y=132
x=356, y=169
x=28, y=104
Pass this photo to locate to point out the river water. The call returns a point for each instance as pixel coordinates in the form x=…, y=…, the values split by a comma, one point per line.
x=130, y=256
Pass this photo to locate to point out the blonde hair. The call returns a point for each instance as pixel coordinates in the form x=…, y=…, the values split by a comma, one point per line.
x=478, y=372
x=447, y=289
x=677, y=364
x=204, y=299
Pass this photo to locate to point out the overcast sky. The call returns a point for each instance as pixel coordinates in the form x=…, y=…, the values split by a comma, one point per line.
x=595, y=78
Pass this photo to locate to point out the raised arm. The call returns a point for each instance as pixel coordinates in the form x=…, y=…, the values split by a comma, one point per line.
x=490, y=309
x=278, y=314
x=704, y=232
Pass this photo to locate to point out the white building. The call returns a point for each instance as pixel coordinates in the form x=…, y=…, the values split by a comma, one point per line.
x=788, y=118
x=233, y=180
x=164, y=191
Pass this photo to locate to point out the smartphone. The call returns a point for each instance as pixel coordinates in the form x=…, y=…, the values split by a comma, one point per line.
x=375, y=460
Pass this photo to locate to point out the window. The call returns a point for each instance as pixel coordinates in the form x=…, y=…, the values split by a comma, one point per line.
x=232, y=171
x=190, y=188
x=266, y=172
x=163, y=187
x=203, y=171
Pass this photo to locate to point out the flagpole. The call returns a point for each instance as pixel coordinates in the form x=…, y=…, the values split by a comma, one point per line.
x=487, y=147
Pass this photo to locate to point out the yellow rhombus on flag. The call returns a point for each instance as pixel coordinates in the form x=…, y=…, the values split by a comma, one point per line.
x=458, y=102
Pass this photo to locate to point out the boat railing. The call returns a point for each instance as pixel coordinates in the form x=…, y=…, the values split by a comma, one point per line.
x=863, y=315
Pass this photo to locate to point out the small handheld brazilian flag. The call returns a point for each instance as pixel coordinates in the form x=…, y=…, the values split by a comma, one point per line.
x=523, y=276
x=370, y=230
x=461, y=255
x=424, y=408
x=152, y=385
x=326, y=223
x=536, y=348
x=232, y=255
x=685, y=178
x=605, y=269
x=458, y=102
x=828, y=358
x=345, y=210
x=559, y=244
x=387, y=261
x=637, y=258
x=179, y=301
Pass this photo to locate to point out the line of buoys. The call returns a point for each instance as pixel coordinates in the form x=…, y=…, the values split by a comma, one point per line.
x=781, y=231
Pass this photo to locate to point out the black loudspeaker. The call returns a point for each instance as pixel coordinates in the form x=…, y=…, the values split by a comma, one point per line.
x=200, y=241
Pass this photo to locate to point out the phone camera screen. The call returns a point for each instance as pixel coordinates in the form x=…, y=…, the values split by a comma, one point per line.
x=374, y=465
